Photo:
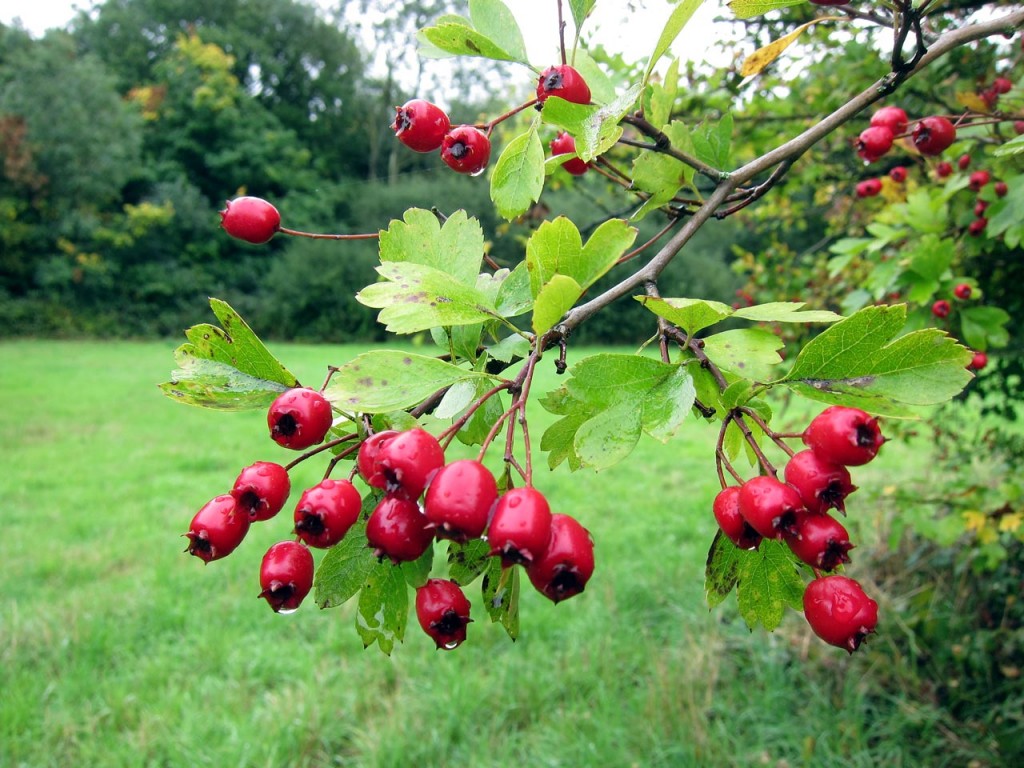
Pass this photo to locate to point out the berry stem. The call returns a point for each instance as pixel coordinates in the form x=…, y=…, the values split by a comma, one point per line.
x=320, y=448
x=751, y=414
x=489, y=126
x=446, y=437
x=320, y=236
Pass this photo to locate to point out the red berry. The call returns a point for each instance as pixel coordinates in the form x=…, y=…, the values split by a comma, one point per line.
x=977, y=180
x=976, y=227
x=941, y=308
x=565, y=144
x=299, y=418
x=565, y=82
x=822, y=542
x=1002, y=85
x=408, y=461
x=821, y=484
x=944, y=169
x=398, y=530
x=326, y=511
x=869, y=187
x=1000, y=188
x=521, y=527
x=217, y=529
x=963, y=291
x=772, y=508
x=727, y=512
x=369, y=468
x=963, y=162
x=893, y=118
x=459, y=500
x=286, y=575
x=567, y=564
x=839, y=612
x=898, y=174
x=843, y=435
x=933, y=135
x=261, y=489
x=466, y=149
x=1018, y=127
x=874, y=142
x=420, y=125
x=979, y=208
x=979, y=361
x=443, y=611
x=251, y=219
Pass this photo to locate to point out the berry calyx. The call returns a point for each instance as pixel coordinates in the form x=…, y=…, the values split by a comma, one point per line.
x=941, y=308
x=442, y=610
x=567, y=564
x=459, y=500
x=898, y=174
x=843, y=435
x=367, y=459
x=963, y=291
x=933, y=135
x=893, y=118
x=979, y=361
x=251, y=219
x=822, y=542
x=466, y=149
x=286, y=576
x=839, y=611
x=821, y=484
x=565, y=144
x=869, y=187
x=978, y=180
x=326, y=511
x=565, y=82
x=408, y=461
x=772, y=508
x=398, y=530
x=420, y=125
x=874, y=142
x=261, y=489
x=520, y=527
x=726, y=508
x=299, y=418
x=217, y=529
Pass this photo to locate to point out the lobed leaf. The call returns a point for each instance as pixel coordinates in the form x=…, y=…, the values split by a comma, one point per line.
x=456, y=247
x=595, y=128
x=500, y=588
x=383, y=610
x=345, y=567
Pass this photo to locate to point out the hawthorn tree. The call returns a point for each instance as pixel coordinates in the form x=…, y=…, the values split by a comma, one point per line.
x=395, y=413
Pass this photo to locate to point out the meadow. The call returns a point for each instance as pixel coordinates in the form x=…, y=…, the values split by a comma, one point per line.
x=120, y=650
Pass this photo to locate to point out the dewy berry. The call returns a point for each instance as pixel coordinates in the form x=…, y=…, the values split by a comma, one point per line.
x=286, y=576
x=466, y=149
x=217, y=529
x=726, y=508
x=459, y=500
x=326, y=511
x=893, y=118
x=408, y=461
x=565, y=144
x=843, y=435
x=420, y=125
x=398, y=530
x=933, y=135
x=520, y=527
x=299, y=418
x=251, y=219
x=443, y=612
x=261, y=489
x=567, y=564
x=822, y=542
x=839, y=612
x=773, y=509
x=366, y=461
x=941, y=309
x=565, y=82
x=874, y=142
x=821, y=484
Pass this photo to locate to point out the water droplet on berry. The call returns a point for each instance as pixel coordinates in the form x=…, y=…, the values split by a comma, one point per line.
x=451, y=645
x=477, y=173
x=286, y=611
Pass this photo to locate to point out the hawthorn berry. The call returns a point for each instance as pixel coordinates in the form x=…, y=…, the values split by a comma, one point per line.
x=944, y=169
x=843, y=435
x=726, y=508
x=366, y=460
x=822, y=485
x=933, y=135
x=565, y=82
x=398, y=530
x=217, y=529
x=979, y=361
x=442, y=610
x=941, y=308
x=251, y=219
x=1000, y=188
x=976, y=227
x=261, y=489
x=326, y=511
x=869, y=187
x=1018, y=127
x=822, y=542
x=979, y=208
x=520, y=528
x=893, y=118
x=466, y=149
x=963, y=291
x=898, y=174
x=420, y=125
x=408, y=461
x=299, y=418
x=1002, y=85
x=839, y=612
x=963, y=162
x=874, y=142
x=286, y=575
x=567, y=564
x=459, y=500
x=977, y=180
x=772, y=508
x=565, y=144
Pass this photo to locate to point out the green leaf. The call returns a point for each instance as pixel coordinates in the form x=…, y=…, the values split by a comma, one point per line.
x=1013, y=147
x=857, y=362
x=596, y=129
x=390, y=380
x=692, y=315
x=501, y=596
x=786, y=312
x=748, y=9
x=722, y=571
x=580, y=9
x=661, y=175
x=557, y=296
x=466, y=562
x=510, y=348
x=751, y=353
x=383, y=607
x=346, y=565
x=461, y=39
x=417, y=298
x=514, y=296
x=680, y=16
x=659, y=98
x=556, y=248
x=712, y=142
x=768, y=581
x=984, y=327
x=1008, y=214
x=417, y=571
x=493, y=19
x=518, y=176
x=456, y=248
x=605, y=441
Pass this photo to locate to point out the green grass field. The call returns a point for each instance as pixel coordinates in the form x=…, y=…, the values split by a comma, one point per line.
x=119, y=650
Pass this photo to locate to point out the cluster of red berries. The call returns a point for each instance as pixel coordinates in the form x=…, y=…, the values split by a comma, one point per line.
x=991, y=94
x=460, y=502
x=797, y=512
x=930, y=135
x=942, y=308
x=425, y=127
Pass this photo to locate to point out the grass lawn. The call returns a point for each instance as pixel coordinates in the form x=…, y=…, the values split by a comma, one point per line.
x=118, y=650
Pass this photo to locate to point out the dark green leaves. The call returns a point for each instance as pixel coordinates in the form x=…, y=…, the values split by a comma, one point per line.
x=347, y=564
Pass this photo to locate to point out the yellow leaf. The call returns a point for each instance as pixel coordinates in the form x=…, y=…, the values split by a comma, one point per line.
x=972, y=101
x=762, y=57
x=974, y=520
x=1010, y=523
